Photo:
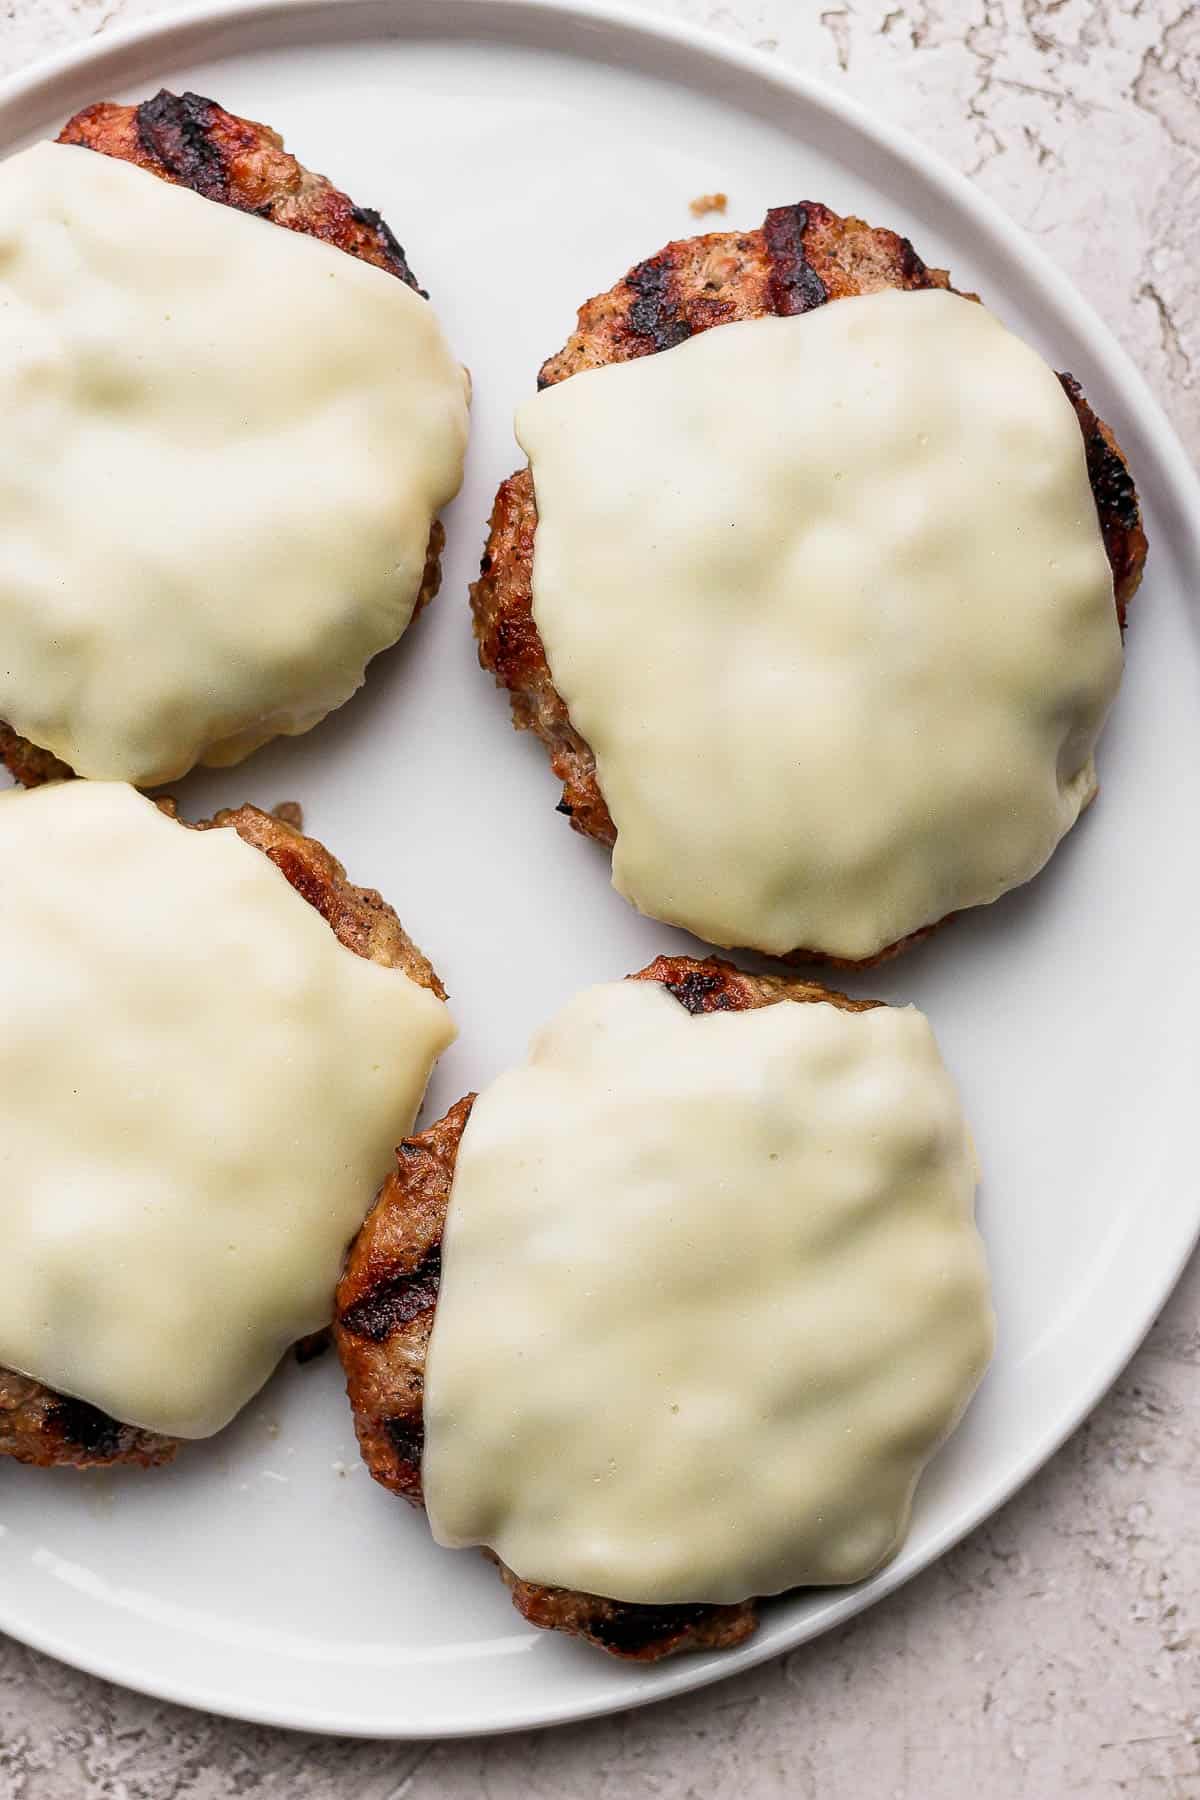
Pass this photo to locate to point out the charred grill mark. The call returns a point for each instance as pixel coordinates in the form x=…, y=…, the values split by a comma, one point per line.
x=193, y=141
x=913, y=271
x=627, y=1629
x=86, y=1427
x=407, y=1438
x=176, y=130
x=396, y=1300
x=1112, y=484
x=700, y=993
x=655, y=312
x=795, y=285
x=389, y=243
x=1115, y=495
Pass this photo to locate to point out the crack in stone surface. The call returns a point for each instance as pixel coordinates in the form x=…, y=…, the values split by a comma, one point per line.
x=1166, y=83
x=1179, y=362
x=837, y=24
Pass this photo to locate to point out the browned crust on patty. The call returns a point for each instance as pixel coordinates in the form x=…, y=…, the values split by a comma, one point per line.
x=27, y=763
x=385, y=1310
x=359, y=917
x=49, y=1430
x=802, y=257
x=192, y=142
x=42, y=1427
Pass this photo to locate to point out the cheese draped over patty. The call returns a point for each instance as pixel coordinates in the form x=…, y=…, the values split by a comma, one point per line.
x=828, y=599
x=224, y=445
x=200, y=1091
x=711, y=1296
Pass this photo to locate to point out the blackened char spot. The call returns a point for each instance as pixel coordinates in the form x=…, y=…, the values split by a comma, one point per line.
x=395, y=1301
x=696, y=992
x=795, y=285
x=655, y=314
x=175, y=129
x=628, y=1629
x=407, y=1439
x=913, y=269
x=564, y=806
x=376, y=223
x=1112, y=484
x=86, y=1427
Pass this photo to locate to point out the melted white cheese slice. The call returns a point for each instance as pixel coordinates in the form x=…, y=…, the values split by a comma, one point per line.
x=712, y=1294
x=224, y=444
x=828, y=599
x=200, y=1091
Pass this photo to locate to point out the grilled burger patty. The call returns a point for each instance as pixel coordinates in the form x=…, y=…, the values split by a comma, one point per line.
x=802, y=257
x=194, y=143
x=384, y=1315
x=45, y=1428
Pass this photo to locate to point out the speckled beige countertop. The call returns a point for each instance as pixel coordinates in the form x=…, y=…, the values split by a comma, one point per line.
x=1057, y=1651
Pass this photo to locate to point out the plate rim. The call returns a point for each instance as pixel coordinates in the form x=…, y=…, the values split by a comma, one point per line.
x=184, y=31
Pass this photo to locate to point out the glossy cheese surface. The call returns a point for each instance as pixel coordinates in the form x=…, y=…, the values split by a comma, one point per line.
x=224, y=444
x=712, y=1294
x=200, y=1091
x=827, y=597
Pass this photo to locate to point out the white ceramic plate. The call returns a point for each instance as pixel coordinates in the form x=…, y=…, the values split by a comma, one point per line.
x=526, y=155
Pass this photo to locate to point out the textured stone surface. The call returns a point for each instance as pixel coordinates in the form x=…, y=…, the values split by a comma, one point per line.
x=1057, y=1652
